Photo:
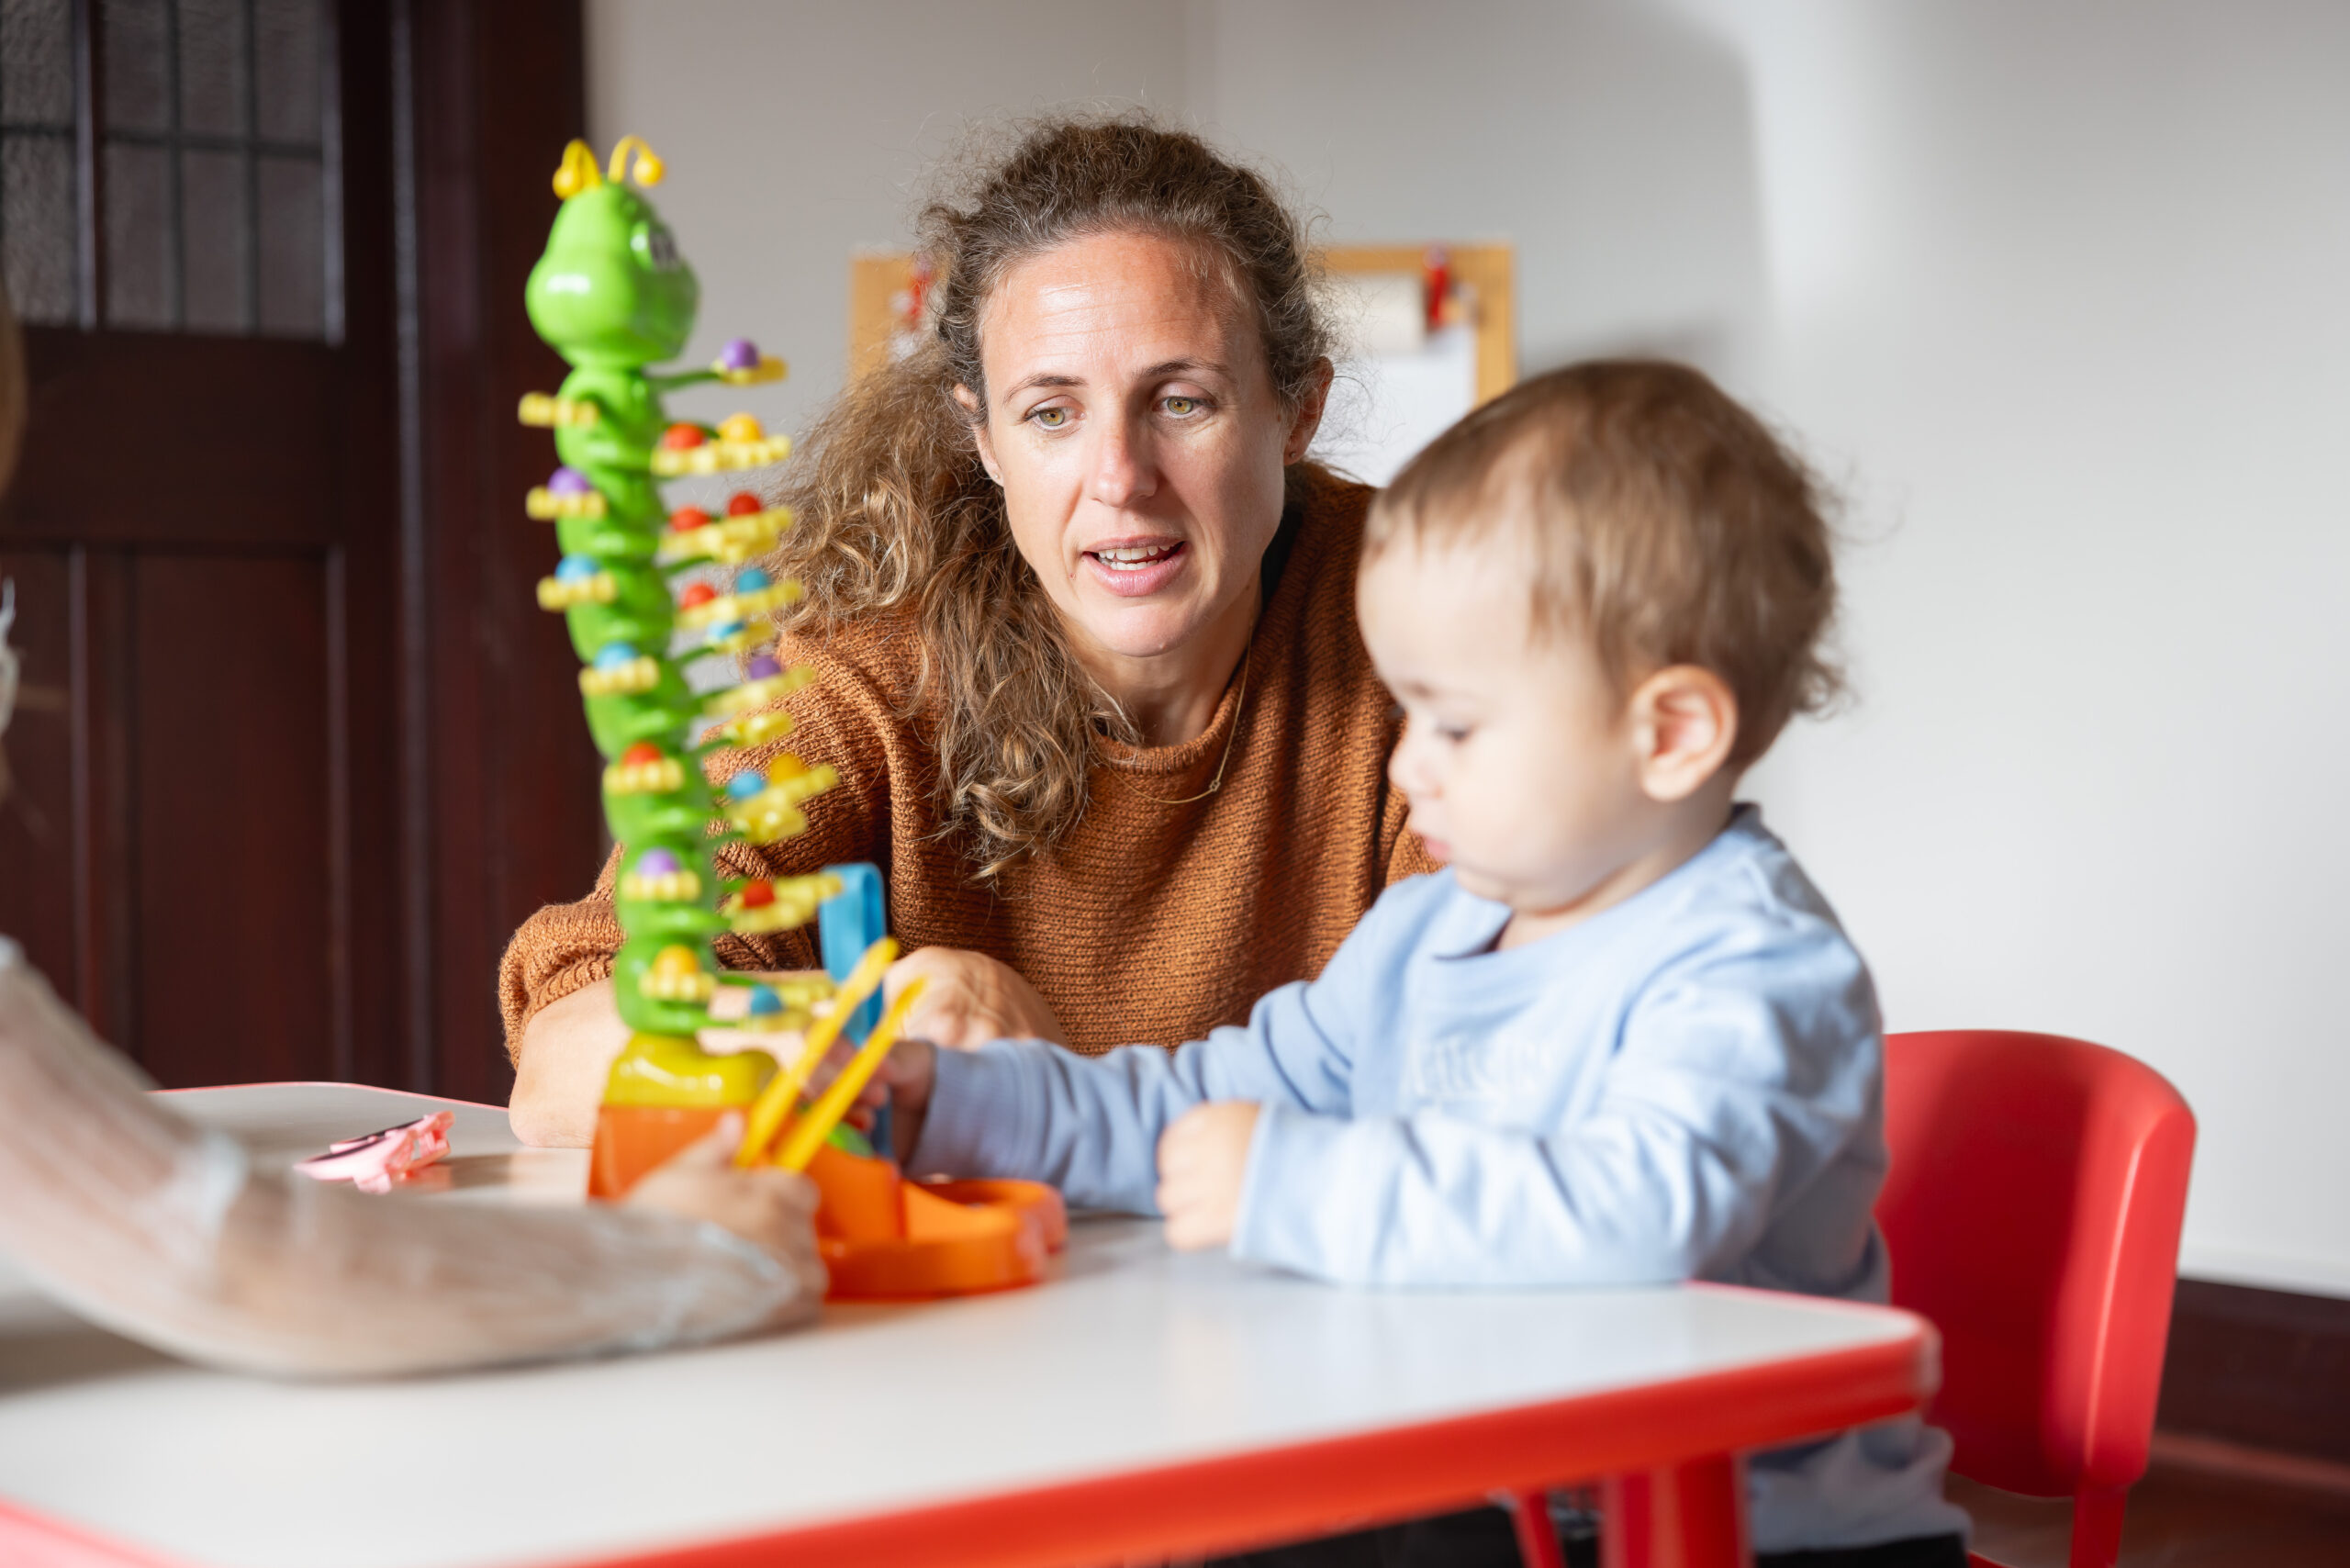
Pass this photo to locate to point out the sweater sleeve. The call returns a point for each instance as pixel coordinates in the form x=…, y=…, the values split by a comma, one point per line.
x=848, y=717
x=1739, y=1079
x=1091, y=1125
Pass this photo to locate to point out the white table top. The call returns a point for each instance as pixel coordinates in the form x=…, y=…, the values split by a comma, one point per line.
x=1134, y=1360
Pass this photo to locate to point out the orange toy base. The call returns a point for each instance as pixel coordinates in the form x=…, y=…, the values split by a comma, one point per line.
x=884, y=1238
x=632, y=1139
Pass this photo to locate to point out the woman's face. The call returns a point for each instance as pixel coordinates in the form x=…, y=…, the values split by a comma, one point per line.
x=1132, y=421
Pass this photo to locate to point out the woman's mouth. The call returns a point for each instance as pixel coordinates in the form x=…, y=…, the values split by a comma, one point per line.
x=1133, y=568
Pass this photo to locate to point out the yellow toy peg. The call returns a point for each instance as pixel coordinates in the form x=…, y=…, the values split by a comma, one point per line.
x=649, y=167
x=808, y=1134
x=547, y=412
x=783, y=1091
x=578, y=171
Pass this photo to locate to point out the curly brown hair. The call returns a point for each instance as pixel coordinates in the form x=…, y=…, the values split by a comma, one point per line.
x=894, y=507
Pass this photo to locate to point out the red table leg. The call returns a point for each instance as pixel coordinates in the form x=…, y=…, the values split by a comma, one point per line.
x=1685, y=1515
x=1538, y=1539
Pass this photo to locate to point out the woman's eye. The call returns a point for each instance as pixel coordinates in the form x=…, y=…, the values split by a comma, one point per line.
x=1181, y=408
x=1050, y=419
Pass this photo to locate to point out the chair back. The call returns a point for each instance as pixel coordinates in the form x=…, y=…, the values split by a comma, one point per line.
x=2032, y=1213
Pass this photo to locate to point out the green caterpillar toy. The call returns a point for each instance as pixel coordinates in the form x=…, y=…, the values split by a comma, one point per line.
x=612, y=296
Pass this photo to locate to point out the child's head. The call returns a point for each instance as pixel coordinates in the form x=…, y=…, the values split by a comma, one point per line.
x=1600, y=598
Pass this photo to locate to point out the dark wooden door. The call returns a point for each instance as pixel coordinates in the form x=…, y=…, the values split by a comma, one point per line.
x=273, y=594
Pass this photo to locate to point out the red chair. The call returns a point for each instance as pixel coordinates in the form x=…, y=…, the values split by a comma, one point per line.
x=2033, y=1211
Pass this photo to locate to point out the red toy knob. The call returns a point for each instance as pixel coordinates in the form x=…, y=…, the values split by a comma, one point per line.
x=685, y=520
x=742, y=503
x=678, y=438
x=696, y=595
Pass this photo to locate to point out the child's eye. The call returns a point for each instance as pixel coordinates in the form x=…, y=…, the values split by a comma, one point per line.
x=1452, y=734
x=1052, y=419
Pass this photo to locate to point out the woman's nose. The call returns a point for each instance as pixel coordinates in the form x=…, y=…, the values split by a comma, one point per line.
x=1123, y=471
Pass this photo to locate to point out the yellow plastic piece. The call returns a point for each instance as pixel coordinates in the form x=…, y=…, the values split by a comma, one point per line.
x=769, y=368
x=796, y=898
x=754, y=729
x=809, y=1133
x=720, y=457
x=546, y=506
x=729, y=541
x=783, y=1092
x=742, y=606
x=642, y=672
x=669, y=1071
x=644, y=777
x=578, y=171
x=798, y=996
x=649, y=167
x=544, y=411
x=556, y=594
x=754, y=694
x=672, y=887
x=676, y=975
x=774, y=812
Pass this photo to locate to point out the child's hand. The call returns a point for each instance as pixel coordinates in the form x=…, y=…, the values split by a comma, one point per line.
x=773, y=1210
x=1203, y=1160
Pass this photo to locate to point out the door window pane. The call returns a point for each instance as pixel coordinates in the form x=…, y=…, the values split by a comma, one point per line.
x=210, y=164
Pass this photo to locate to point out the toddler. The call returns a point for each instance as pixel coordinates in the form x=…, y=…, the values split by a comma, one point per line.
x=1620, y=1039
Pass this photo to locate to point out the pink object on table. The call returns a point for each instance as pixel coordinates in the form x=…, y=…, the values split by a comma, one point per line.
x=372, y=1163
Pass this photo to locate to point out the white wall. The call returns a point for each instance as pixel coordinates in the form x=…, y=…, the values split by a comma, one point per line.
x=795, y=132
x=2056, y=290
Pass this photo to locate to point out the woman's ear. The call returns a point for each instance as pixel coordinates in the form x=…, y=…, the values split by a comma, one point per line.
x=1308, y=418
x=1684, y=723
x=980, y=437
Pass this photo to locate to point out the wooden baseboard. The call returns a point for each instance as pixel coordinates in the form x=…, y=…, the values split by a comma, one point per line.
x=2258, y=1369
x=2212, y=1457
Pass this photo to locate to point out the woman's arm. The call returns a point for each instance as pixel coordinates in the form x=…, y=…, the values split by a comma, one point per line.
x=168, y=1234
x=568, y=1049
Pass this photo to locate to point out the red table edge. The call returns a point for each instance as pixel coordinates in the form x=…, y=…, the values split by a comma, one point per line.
x=1239, y=1500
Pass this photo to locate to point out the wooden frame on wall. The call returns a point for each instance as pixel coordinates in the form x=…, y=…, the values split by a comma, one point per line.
x=878, y=282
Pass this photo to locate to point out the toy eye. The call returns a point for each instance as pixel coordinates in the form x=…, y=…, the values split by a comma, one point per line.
x=658, y=248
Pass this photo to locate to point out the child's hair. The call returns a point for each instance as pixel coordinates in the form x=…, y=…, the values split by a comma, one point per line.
x=1669, y=527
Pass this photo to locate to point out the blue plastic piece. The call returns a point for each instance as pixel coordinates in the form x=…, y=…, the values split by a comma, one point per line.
x=846, y=924
x=612, y=656
x=750, y=579
x=745, y=784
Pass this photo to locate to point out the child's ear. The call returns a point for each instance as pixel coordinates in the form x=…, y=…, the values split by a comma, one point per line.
x=1684, y=721
x=980, y=437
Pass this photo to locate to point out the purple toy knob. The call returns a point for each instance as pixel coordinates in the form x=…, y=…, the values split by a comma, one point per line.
x=740, y=354
x=762, y=669
x=656, y=863
x=568, y=482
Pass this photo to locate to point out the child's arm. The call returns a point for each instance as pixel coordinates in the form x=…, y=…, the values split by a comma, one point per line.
x=1091, y=1125
x=1733, y=1094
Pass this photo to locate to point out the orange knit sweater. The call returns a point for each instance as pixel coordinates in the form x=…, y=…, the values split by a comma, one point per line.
x=1152, y=922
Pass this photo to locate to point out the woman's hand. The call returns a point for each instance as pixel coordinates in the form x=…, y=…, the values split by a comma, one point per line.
x=773, y=1210
x=970, y=999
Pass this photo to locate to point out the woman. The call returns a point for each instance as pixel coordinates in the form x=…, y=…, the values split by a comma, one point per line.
x=1082, y=619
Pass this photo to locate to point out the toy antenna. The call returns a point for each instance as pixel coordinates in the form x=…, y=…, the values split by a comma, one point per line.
x=649, y=167
x=578, y=171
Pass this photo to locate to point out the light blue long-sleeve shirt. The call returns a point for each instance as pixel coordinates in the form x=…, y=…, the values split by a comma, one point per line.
x=1688, y=1085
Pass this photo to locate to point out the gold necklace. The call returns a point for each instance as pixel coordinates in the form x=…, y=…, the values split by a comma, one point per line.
x=1239, y=705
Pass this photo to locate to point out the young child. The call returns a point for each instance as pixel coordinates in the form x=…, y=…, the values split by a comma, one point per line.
x=1621, y=1037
